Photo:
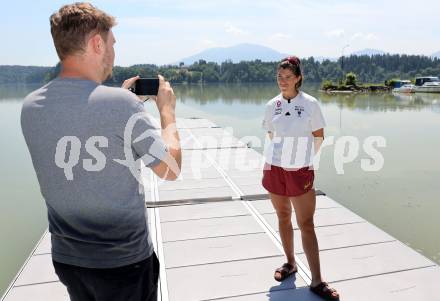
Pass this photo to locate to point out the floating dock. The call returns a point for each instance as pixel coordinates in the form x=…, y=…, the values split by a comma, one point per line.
x=216, y=236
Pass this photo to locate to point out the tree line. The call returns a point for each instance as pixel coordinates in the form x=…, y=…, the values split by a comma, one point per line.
x=368, y=69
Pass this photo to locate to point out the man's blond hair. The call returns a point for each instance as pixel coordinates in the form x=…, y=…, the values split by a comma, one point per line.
x=73, y=24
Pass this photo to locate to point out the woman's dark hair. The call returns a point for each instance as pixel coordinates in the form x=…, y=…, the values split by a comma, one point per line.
x=293, y=64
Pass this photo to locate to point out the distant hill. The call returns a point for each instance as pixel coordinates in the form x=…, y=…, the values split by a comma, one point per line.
x=371, y=69
x=237, y=53
x=250, y=52
x=368, y=51
x=23, y=74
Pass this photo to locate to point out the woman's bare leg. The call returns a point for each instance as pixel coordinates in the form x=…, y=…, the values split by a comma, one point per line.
x=304, y=210
x=283, y=210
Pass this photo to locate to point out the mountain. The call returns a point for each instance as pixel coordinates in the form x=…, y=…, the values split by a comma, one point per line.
x=237, y=53
x=368, y=51
x=250, y=52
x=436, y=54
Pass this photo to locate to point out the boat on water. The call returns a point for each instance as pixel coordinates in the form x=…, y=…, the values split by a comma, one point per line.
x=402, y=86
x=428, y=84
x=407, y=88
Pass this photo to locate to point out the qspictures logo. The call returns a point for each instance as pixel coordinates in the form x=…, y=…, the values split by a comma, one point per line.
x=289, y=151
x=68, y=150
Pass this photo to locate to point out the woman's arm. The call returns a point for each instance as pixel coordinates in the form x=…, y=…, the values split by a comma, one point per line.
x=318, y=139
x=270, y=134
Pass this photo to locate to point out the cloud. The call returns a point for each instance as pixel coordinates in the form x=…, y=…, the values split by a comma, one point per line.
x=235, y=30
x=281, y=36
x=336, y=33
x=208, y=43
x=339, y=33
x=371, y=37
x=139, y=21
x=364, y=36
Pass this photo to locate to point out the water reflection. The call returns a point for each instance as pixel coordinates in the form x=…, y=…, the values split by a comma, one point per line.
x=16, y=92
x=420, y=99
x=244, y=93
x=382, y=102
x=259, y=94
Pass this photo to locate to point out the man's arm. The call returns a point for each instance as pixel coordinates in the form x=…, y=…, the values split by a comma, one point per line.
x=169, y=168
x=170, y=165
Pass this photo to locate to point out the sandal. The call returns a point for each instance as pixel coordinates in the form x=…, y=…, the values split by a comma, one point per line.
x=285, y=271
x=324, y=291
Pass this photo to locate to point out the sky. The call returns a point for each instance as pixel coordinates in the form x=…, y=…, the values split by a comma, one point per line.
x=161, y=32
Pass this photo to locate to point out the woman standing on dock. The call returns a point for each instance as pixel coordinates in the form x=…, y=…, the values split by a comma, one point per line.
x=295, y=124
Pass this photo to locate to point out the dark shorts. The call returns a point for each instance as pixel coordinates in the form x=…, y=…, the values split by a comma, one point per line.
x=134, y=282
x=287, y=182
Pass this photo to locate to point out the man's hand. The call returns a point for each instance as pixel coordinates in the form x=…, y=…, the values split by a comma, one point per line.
x=128, y=83
x=165, y=100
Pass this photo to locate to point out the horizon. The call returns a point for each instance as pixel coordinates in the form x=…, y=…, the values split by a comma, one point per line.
x=186, y=29
x=317, y=58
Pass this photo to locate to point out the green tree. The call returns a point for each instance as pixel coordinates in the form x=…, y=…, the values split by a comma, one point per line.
x=350, y=79
x=369, y=69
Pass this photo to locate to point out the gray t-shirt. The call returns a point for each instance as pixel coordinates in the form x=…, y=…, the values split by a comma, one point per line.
x=82, y=140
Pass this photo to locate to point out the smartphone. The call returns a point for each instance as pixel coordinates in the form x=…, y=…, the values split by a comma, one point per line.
x=146, y=86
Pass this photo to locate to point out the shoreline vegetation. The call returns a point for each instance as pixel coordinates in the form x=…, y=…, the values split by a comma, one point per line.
x=350, y=85
x=341, y=76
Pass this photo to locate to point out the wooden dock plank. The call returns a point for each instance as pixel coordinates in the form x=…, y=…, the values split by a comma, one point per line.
x=53, y=291
x=413, y=285
x=208, y=228
x=322, y=202
x=45, y=245
x=219, y=249
x=226, y=279
x=324, y=217
x=362, y=261
x=39, y=269
x=343, y=236
x=202, y=211
x=196, y=193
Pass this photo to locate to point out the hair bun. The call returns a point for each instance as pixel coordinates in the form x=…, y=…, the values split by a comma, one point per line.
x=293, y=60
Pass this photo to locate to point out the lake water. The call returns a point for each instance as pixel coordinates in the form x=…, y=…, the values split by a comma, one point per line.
x=402, y=198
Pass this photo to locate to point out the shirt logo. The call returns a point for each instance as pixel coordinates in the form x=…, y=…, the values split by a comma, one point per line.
x=299, y=110
x=278, y=108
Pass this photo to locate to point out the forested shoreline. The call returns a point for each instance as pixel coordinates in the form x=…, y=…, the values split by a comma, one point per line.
x=368, y=69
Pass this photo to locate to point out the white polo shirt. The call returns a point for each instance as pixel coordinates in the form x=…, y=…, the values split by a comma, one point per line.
x=292, y=123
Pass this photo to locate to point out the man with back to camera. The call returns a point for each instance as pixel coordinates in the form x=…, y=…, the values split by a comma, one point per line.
x=76, y=132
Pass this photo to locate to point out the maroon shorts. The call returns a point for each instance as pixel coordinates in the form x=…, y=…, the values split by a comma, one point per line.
x=287, y=182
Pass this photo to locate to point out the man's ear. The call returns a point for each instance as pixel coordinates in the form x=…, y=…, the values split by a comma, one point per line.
x=97, y=44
